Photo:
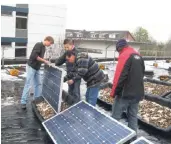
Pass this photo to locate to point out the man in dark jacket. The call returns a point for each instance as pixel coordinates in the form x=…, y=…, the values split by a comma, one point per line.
x=73, y=89
x=89, y=70
x=33, y=67
x=128, y=85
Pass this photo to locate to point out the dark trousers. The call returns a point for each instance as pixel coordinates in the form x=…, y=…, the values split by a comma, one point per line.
x=131, y=106
x=74, y=91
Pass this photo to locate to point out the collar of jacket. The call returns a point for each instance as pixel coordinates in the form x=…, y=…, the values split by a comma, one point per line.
x=127, y=49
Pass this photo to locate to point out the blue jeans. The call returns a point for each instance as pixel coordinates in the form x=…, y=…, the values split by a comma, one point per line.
x=32, y=76
x=74, y=91
x=92, y=94
x=131, y=106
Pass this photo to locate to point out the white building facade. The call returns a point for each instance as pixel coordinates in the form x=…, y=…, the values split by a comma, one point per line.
x=23, y=25
x=101, y=49
x=100, y=44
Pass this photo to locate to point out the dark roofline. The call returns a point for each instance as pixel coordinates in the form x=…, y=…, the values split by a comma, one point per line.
x=110, y=40
x=98, y=30
x=120, y=32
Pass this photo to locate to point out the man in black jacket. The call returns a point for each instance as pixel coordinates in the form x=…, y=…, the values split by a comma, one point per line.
x=87, y=69
x=33, y=67
x=73, y=88
x=128, y=85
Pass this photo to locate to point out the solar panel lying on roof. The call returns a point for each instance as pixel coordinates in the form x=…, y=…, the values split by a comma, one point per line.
x=141, y=140
x=83, y=123
x=52, y=86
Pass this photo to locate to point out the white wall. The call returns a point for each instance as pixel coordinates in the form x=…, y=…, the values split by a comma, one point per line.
x=45, y=20
x=9, y=52
x=8, y=25
x=8, y=30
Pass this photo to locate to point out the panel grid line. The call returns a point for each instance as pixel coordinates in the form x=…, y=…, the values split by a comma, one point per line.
x=52, y=86
x=89, y=127
x=99, y=126
x=84, y=123
x=98, y=122
x=49, y=87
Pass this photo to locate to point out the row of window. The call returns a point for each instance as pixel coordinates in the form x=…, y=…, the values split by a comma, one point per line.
x=9, y=13
x=19, y=52
x=8, y=44
x=21, y=23
x=6, y=13
x=90, y=50
x=94, y=35
x=21, y=18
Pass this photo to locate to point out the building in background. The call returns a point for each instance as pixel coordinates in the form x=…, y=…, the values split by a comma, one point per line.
x=23, y=25
x=100, y=43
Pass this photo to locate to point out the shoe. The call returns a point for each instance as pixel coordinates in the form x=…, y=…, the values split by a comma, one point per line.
x=23, y=106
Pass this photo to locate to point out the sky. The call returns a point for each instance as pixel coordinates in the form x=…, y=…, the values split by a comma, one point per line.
x=153, y=15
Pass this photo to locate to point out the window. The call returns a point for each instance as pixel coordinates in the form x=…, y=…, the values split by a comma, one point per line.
x=20, y=44
x=21, y=14
x=6, y=13
x=79, y=35
x=102, y=36
x=90, y=50
x=6, y=43
x=69, y=35
x=112, y=36
x=117, y=35
x=21, y=23
x=83, y=50
x=21, y=52
x=93, y=35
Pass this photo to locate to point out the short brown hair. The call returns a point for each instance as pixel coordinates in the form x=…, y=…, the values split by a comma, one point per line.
x=50, y=39
x=68, y=41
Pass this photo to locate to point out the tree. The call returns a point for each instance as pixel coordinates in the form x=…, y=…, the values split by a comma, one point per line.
x=141, y=35
x=161, y=45
x=168, y=45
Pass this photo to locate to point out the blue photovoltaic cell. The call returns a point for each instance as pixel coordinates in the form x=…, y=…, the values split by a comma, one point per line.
x=51, y=89
x=141, y=140
x=82, y=123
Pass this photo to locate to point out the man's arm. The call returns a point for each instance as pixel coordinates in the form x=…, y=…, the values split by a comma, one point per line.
x=42, y=60
x=82, y=68
x=61, y=60
x=123, y=77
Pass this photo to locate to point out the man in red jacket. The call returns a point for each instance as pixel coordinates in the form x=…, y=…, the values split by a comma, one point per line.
x=128, y=85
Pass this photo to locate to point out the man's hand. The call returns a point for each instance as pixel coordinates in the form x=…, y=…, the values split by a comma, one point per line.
x=70, y=82
x=47, y=62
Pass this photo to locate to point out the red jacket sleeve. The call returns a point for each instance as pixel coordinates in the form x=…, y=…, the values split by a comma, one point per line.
x=119, y=67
